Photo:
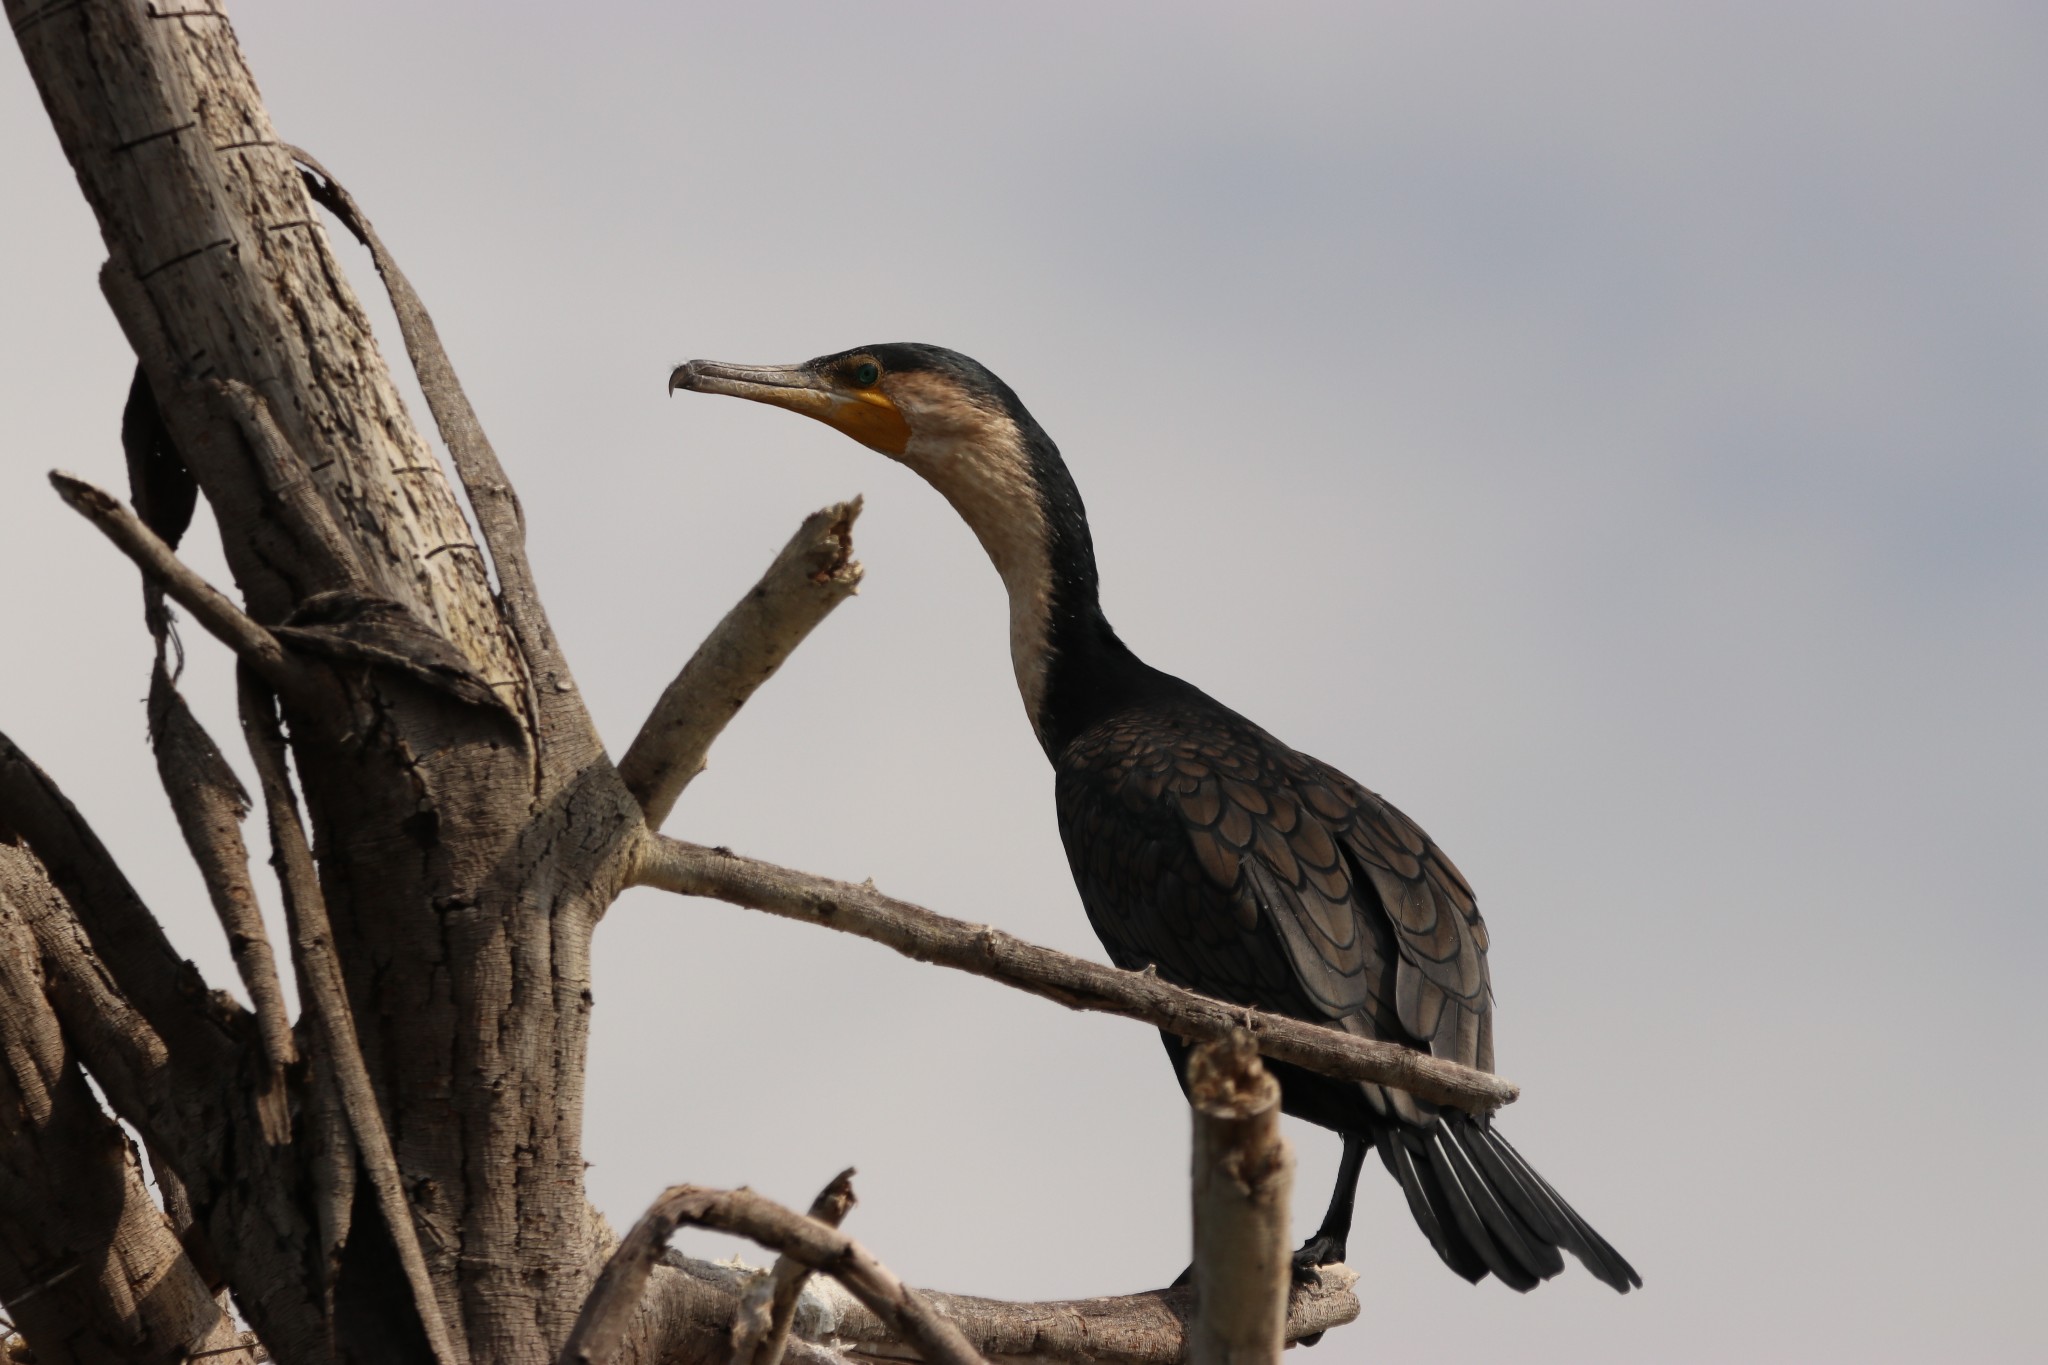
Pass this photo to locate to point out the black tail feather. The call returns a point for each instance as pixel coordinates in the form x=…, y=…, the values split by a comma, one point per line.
x=1607, y=1265
x=1535, y=1258
x=1485, y=1209
x=1425, y=1197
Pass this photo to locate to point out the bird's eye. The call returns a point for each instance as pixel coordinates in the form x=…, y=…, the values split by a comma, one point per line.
x=867, y=372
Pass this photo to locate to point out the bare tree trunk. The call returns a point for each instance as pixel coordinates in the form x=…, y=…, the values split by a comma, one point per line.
x=465, y=853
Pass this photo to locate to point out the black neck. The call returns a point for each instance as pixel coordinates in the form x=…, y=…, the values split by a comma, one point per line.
x=1091, y=674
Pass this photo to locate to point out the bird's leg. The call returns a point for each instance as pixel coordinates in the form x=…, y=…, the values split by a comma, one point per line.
x=1329, y=1244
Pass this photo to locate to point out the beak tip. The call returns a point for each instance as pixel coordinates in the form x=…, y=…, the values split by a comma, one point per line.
x=682, y=376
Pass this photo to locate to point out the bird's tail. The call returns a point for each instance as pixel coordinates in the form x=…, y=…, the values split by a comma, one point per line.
x=1485, y=1209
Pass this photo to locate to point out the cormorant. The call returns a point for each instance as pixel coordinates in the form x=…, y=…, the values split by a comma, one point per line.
x=1204, y=847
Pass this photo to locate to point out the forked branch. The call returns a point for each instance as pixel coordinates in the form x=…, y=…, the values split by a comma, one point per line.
x=814, y=573
x=921, y=934
x=613, y=1303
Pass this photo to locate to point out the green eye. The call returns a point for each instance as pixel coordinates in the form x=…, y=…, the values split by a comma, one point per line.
x=867, y=372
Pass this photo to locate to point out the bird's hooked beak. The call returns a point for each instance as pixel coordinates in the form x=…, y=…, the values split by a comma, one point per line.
x=867, y=414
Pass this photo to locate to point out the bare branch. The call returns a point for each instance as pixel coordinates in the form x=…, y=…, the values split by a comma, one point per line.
x=565, y=724
x=915, y=932
x=326, y=998
x=688, y=1295
x=210, y=803
x=208, y=605
x=761, y=1327
x=602, y=1324
x=1243, y=1180
x=165, y=989
x=814, y=573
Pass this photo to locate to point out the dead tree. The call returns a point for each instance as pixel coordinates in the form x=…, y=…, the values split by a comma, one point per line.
x=397, y=1174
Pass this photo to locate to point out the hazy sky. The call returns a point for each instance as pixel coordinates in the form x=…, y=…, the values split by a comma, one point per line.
x=1614, y=433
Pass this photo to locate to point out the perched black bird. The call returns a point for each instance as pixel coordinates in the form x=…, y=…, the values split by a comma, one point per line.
x=1203, y=846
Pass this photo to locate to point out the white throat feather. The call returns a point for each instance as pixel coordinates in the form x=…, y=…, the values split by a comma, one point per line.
x=978, y=462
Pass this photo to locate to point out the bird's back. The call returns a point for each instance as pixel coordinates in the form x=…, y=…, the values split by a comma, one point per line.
x=1241, y=868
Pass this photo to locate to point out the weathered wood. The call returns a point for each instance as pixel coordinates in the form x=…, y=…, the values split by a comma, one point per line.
x=463, y=876
x=760, y=1332
x=209, y=804
x=814, y=573
x=1243, y=1180
x=1075, y=982
x=223, y=620
x=201, y=206
x=326, y=998
x=568, y=736
x=149, y=976
x=602, y=1326
x=1126, y=1329
x=95, y=1275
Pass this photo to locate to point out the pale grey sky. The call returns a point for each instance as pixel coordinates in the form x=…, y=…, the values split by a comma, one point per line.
x=1616, y=433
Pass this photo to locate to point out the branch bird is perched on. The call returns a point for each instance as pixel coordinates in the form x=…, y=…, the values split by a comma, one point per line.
x=1203, y=846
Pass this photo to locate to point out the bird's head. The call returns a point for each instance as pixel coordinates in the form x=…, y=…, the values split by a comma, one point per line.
x=923, y=405
x=965, y=432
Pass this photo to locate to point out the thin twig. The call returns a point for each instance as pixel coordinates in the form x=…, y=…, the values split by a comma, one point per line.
x=565, y=724
x=209, y=803
x=918, y=933
x=814, y=573
x=208, y=605
x=612, y=1304
x=326, y=999
x=1243, y=1177
x=760, y=1330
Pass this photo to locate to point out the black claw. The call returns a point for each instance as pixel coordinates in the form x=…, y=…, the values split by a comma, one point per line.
x=1320, y=1250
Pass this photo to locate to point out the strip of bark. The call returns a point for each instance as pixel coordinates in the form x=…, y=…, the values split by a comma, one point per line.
x=565, y=725
x=814, y=573
x=921, y=934
x=1128, y=1329
x=613, y=1303
x=209, y=803
x=760, y=1329
x=1243, y=1181
x=210, y=607
x=326, y=999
